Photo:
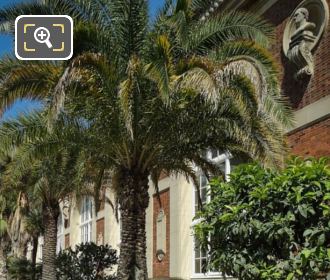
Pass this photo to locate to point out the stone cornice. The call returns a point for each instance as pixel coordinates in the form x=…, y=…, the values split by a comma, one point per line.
x=311, y=113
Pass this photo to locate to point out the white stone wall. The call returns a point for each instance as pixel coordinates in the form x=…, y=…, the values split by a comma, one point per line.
x=181, y=215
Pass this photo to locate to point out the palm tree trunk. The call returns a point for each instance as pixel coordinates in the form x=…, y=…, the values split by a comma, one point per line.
x=49, y=248
x=17, y=230
x=141, y=246
x=126, y=264
x=133, y=198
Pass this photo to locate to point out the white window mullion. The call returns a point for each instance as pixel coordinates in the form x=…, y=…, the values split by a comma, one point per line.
x=228, y=169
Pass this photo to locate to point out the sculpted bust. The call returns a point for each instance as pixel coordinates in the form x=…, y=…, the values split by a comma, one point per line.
x=302, y=34
x=301, y=42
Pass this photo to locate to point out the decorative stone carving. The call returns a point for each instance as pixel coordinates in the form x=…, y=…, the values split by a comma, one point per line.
x=161, y=235
x=302, y=34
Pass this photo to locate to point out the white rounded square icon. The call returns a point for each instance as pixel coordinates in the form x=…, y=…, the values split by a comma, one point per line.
x=44, y=37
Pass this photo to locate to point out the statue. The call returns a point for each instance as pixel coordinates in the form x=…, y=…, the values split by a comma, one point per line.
x=301, y=42
x=302, y=34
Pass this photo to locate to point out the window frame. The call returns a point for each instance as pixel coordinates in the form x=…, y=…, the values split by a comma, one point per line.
x=86, y=220
x=223, y=158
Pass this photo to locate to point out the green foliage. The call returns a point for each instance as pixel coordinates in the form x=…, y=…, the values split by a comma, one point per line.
x=86, y=262
x=268, y=224
x=3, y=227
x=22, y=269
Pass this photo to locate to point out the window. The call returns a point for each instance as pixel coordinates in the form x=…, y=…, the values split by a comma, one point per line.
x=60, y=231
x=86, y=220
x=214, y=153
x=200, y=259
x=203, y=188
x=200, y=255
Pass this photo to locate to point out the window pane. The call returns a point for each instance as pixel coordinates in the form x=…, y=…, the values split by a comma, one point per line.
x=214, y=153
x=82, y=234
x=204, y=266
x=197, y=253
x=197, y=266
x=90, y=232
x=204, y=195
x=196, y=198
x=236, y=161
x=203, y=254
x=197, y=249
x=203, y=181
x=223, y=168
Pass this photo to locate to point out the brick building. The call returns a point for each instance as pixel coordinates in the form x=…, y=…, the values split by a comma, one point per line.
x=171, y=249
x=309, y=97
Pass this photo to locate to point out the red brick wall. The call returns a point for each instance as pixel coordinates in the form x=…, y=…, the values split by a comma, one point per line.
x=300, y=93
x=315, y=139
x=161, y=269
x=311, y=141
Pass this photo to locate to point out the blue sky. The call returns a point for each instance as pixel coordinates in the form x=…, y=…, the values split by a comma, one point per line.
x=7, y=46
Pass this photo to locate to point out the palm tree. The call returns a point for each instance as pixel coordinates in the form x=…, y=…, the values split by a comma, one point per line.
x=12, y=236
x=20, y=221
x=4, y=238
x=155, y=97
x=34, y=226
x=49, y=165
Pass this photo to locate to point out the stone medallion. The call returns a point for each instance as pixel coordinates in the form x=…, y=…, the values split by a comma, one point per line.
x=302, y=34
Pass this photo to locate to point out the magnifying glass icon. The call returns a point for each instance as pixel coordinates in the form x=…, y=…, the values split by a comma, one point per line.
x=42, y=35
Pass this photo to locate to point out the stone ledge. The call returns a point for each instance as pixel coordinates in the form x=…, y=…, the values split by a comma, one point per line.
x=311, y=113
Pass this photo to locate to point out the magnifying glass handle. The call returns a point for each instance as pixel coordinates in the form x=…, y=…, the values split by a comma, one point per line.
x=49, y=44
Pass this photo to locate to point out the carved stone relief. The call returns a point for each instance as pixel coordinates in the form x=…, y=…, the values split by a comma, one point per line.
x=303, y=33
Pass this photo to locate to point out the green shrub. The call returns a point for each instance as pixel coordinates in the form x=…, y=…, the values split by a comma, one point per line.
x=87, y=262
x=268, y=224
x=22, y=269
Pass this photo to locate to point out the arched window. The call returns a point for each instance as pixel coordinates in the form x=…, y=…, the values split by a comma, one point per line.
x=86, y=220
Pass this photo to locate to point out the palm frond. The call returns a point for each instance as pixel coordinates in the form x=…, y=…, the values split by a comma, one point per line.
x=161, y=69
x=22, y=79
x=214, y=32
x=129, y=23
